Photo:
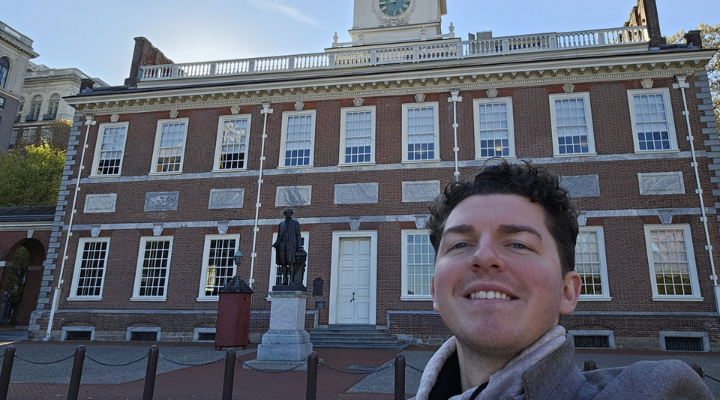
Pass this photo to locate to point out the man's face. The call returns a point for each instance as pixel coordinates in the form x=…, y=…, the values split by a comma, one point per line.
x=498, y=283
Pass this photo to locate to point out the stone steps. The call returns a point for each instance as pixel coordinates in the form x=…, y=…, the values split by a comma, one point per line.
x=356, y=337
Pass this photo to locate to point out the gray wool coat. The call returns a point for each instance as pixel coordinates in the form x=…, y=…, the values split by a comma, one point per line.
x=556, y=377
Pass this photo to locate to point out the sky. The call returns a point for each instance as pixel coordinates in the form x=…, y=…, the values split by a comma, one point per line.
x=96, y=36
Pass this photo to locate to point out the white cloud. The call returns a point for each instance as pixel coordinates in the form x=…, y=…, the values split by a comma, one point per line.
x=286, y=10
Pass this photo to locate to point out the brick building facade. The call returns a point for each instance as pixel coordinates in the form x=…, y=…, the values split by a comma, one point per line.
x=189, y=162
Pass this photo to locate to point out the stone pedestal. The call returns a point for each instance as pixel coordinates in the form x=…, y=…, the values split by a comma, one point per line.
x=286, y=344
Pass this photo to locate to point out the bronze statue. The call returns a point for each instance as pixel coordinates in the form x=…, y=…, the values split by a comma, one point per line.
x=289, y=252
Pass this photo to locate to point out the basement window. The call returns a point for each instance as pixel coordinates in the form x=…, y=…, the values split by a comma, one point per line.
x=204, y=335
x=144, y=334
x=85, y=333
x=593, y=339
x=684, y=341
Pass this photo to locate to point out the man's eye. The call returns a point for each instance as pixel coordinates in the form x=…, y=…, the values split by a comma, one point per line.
x=459, y=245
x=519, y=246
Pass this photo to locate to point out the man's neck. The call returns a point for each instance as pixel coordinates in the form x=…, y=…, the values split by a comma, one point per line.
x=476, y=367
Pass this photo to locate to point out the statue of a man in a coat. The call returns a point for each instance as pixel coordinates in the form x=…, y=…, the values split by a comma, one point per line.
x=286, y=246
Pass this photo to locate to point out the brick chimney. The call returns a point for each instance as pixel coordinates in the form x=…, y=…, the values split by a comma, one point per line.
x=144, y=54
x=694, y=38
x=645, y=13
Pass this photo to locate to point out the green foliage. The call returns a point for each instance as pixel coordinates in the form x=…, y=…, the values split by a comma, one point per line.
x=711, y=40
x=59, y=132
x=30, y=176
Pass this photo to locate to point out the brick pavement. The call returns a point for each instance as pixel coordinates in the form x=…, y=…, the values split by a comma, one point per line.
x=205, y=382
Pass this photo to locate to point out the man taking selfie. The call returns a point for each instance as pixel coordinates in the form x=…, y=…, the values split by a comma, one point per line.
x=504, y=273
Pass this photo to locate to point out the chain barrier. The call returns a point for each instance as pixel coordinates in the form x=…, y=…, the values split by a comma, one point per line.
x=43, y=362
x=189, y=365
x=712, y=378
x=413, y=367
x=115, y=365
x=270, y=371
x=378, y=369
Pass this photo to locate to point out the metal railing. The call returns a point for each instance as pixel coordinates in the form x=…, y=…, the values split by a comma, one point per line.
x=31, y=118
x=367, y=57
x=47, y=117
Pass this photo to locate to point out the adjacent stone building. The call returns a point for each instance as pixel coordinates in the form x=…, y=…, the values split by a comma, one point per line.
x=42, y=102
x=15, y=54
x=187, y=163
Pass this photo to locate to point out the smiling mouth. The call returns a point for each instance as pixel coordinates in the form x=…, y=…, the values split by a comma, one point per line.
x=481, y=294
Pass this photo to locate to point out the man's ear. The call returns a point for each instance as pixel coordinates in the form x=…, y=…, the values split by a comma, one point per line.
x=570, y=292
x=432, y=292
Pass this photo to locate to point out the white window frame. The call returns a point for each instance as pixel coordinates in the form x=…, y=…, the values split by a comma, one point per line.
x=156, y=149
x=206, y=256
x=98, y=148
x=692, y=266
x=404, y=268
x=78, y=263
x=283, y=138
x=588, y=119
x=405, y=109
x=672, y=135
x=273, y=267
x=605, y=295
x=510, y=128
x=343, y=132
x=138, y=271
x=219, y=144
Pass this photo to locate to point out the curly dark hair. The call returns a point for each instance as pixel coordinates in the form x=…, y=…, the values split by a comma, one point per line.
x=537, y=184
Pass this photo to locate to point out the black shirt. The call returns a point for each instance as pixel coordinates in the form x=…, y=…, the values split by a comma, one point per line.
x=448, y=381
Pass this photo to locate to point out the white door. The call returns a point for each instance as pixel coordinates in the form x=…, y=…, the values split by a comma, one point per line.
x=354, y=281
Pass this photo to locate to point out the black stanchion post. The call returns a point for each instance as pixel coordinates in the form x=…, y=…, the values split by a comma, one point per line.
x=229, y=375
x=311, y=389
x=6, y=372
x=76, y=374
x=696, y=367
x=589, y=365
x=150, y=374
x=399, y=377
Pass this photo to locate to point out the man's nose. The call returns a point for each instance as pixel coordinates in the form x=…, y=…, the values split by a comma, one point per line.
x=487, y=255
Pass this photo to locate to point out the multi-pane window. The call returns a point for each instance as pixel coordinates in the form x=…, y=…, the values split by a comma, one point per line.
x=494, y=132
x=672, y=261
x=28, y=135
x=21, y=106
x=590, y=263
x=46, y=135
x=218, y=264
x=418, y=264
x=232, y=142
x=34, y=113
x=170, y=146
x=652, y=121
x=357, y=133
x=153, y=268
x=53, y=105
x=109, y=149
x=13, y=138
x=572, y=124
x=90, y=268
x=2, y=103
x=276, y=271
x=298, y=137
x=420, y=132
x=4, y=71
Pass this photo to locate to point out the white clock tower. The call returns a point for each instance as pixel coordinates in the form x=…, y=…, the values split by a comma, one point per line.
x=397, y=21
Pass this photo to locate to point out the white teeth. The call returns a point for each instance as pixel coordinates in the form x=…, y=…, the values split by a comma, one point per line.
x=481, y=294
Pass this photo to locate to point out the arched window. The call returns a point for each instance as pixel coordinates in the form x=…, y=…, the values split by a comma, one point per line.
x=4, y=71
x=52, y=107
x=34, y=113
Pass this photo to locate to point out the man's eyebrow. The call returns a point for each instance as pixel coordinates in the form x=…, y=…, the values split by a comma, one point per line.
x=464, y=228
x=510, y=229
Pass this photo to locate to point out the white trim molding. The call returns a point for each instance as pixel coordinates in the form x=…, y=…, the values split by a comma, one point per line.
x=499, y=106
x=358, y=126
x=406, y=108
x=153, y=260
x=112, y=152
x=668, y=120
x=426, y=249
x=233, y=133
x=668, y=251
x=283, y=161
x=172, y=148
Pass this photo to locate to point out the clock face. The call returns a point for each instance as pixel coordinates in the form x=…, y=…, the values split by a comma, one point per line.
x=394, y=8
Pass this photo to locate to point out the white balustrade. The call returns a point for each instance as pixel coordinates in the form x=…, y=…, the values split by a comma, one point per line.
x=350, y=57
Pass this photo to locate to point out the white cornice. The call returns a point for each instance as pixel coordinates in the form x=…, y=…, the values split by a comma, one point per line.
x=476, y=77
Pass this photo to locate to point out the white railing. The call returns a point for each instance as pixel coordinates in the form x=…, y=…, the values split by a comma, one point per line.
x=435, y=51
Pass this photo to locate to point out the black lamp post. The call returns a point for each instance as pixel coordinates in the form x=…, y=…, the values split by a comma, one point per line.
x=236, y=284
